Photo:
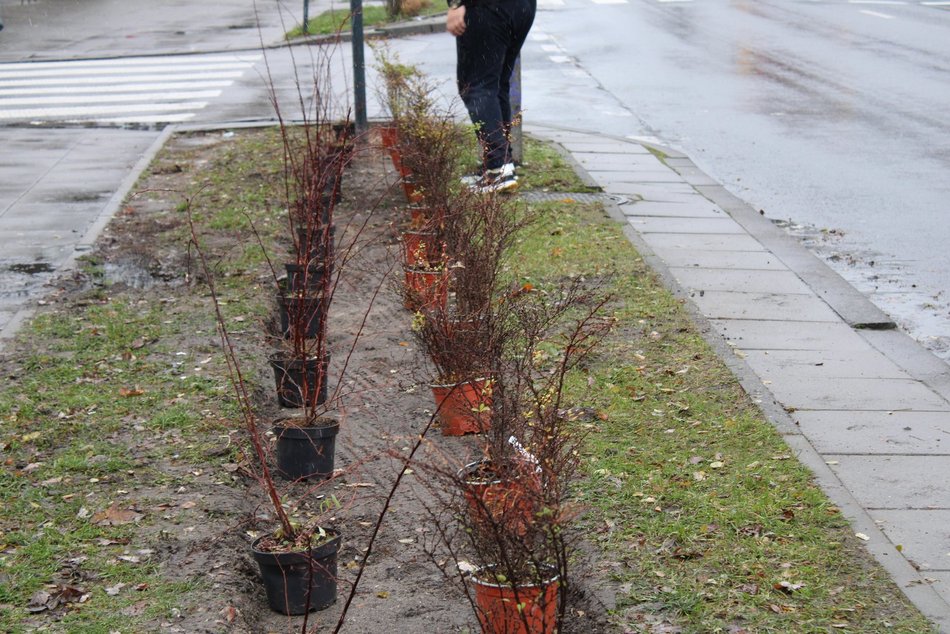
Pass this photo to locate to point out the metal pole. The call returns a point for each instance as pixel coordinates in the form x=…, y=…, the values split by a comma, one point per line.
x=514, y=94
x=359, y=66
x=306, y=16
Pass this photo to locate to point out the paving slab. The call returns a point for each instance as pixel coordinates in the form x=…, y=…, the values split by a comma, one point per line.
x=923, y=534
x=683, y=208
x=610, y=178
x=828, y=365
x=702, y=242
x=882, y=432
x=650, y=224
x=592, y=161
x=789, y=335
x=667, y=192
x=720, y=260
x=606, y=147
x=895, y=482
x=740, y=280
x=857, y=394
x=763, y=306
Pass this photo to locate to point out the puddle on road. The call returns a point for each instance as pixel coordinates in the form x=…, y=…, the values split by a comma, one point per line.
x=129, y=273
x=33, y=268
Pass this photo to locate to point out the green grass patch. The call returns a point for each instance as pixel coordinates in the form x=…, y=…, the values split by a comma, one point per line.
x=338, y=20
x=544, y=168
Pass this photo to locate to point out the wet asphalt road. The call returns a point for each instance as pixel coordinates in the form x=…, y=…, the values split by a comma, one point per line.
x=831, y=115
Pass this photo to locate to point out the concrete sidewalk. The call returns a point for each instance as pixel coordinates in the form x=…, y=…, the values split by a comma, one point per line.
x=860, y=403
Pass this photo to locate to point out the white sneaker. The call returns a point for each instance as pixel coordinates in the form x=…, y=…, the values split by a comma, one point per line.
x=497, y=180
x=508, y=169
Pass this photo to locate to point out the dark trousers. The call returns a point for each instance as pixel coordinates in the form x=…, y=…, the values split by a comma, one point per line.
x=494, y=33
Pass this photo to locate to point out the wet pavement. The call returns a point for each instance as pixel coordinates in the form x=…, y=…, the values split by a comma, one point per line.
x=55, y=193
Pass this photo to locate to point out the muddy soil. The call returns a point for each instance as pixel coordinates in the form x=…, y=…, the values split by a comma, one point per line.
x=384, y=405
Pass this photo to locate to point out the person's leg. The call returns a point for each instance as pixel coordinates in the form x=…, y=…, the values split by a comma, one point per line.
x=521, y=17
x=481, y=58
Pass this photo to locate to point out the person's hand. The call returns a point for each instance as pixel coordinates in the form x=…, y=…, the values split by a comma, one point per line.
x=455, y=21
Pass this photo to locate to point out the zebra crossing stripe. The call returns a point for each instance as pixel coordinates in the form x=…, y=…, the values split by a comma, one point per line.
x=123, y=98
x=87, y=81
x=112, y=88
x=87, y=112
x=6, y=73
x=127, y=62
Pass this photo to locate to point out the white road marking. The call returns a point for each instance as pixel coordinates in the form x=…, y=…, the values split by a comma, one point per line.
x=550, y=48
x=936, y=4
x=559, y=59
x=673, y=1
x=890, y=2
x=7, y=73
x=877, y=15
x=91, y=99
x=610, y=1
x=114, y=88
x=540, y=36
x=87, y=81
x=172, y=60
x=550, y=3
x=84, y=112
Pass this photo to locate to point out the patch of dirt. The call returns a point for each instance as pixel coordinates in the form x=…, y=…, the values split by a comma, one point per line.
x=200, y=522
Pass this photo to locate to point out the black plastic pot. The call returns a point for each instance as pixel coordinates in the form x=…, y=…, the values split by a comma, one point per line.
x=303, y=309
x=291, y=376
x=302, y=280
x=315, y=246
x=300, y=582
x=306, y=452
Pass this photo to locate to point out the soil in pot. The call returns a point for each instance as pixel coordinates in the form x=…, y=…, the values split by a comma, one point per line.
x=507, y=608
x=297, y=582
x=300, y=382
x=305, y=450
x=463, y=408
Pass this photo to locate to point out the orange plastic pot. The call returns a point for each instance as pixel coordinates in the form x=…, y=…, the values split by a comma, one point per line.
x=463, y=408
x=507, y=608
x=419, y=248
x=411, y=189
x=388, y=135
x=426, y=290
x=495, y=501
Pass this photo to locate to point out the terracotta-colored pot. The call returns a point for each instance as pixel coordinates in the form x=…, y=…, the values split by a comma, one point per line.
x=413, y=193
x=419, y=248
x=507, y=608
x=511, y=501
x=463, y=408
x=388, y=135
x=427, y=290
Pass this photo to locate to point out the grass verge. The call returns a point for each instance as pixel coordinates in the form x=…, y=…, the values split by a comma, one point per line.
x=338, y=20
